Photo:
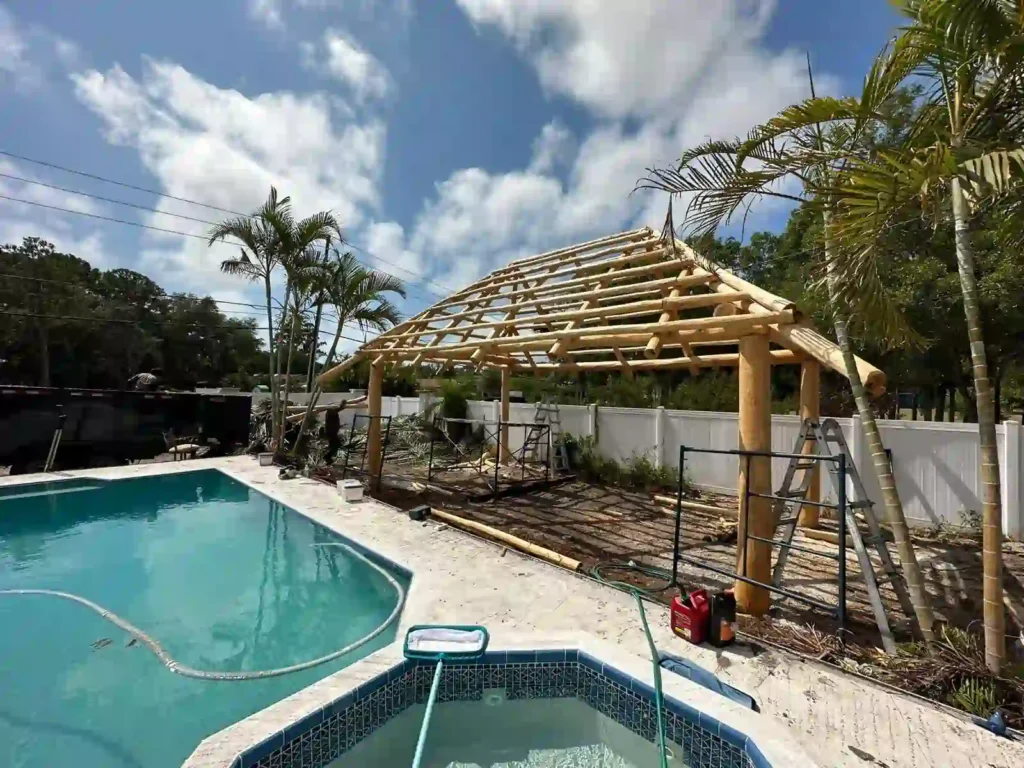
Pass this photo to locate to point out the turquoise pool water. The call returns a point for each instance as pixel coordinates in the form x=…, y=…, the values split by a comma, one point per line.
x=223, y=577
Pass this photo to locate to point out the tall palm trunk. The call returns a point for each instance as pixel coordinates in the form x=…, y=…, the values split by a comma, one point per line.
x=991, y=508
x=313, y=345
x=314, y=395
x=287, y=370
x=271, y=358
x=879, y=459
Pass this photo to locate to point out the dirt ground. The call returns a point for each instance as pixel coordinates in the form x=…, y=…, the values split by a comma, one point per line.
x=606, y=525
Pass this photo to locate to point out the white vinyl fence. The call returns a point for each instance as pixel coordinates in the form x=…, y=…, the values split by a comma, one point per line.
x=936, y=464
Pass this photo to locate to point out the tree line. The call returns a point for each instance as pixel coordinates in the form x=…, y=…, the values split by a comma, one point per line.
x=68, y=324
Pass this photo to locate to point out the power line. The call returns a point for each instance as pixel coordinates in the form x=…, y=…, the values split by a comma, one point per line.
x=105, y=199
x=79, y=318
x=166, y=295
x=120, y=183
x=424, y=278
x=104, y=218
x=327, y=315
x=141, y=226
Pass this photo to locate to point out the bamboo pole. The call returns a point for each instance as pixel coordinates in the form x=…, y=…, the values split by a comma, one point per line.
x=754, y=558
x=810, y=408
x=506, y=538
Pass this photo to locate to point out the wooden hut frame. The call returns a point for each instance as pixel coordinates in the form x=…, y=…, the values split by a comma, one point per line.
x=629, y=302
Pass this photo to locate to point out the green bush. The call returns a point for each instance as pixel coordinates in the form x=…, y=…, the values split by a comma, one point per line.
x=639, y=473
x=455, y=396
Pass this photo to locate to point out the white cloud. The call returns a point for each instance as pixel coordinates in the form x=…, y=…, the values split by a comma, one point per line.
x=29, y=53
x=387, y=241
x=341, y=57
x=623, y=58
x=266, y=12
x=226, y=149
x=271, y=13
x=68, y=232
x=657, y=76
x=552, y=148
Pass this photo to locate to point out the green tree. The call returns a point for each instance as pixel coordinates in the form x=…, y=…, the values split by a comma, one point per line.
x=811, y=143
x=357, y=296
x=260, y=253
x=965, y=149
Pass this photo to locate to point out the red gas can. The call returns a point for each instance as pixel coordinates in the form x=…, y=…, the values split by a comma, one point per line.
x=690, y=616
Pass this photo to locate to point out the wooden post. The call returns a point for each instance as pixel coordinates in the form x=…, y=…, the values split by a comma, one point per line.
x=754, y=558
x=373, y=405
x=506, y=382
x=810, y=408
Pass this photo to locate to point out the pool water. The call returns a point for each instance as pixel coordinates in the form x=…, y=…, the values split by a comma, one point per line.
x=223, y=577
x=500, y=733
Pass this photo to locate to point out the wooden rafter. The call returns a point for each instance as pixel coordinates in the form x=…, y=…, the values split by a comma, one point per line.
x=629, y=302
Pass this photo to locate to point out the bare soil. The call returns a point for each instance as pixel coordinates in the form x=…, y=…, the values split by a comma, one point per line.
x=600, y=526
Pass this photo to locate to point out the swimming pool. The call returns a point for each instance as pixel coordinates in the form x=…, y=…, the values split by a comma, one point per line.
x=223, y=577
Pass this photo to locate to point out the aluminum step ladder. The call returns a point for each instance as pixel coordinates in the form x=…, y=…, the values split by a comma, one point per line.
x=826, y=438
x=547, y=413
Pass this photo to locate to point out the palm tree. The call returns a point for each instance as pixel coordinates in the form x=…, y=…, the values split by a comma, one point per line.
x=260, y=256
x=810, y=143
x=357, y=295
x=302, y=264
x=966, y=150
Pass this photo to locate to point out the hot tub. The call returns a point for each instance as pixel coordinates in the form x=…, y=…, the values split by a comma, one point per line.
x=517, y=709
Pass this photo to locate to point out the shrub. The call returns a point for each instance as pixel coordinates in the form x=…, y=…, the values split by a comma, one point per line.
x=638, y=473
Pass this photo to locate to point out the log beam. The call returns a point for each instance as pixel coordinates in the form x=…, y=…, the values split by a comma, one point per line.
x=373, y=404
x=754, y=558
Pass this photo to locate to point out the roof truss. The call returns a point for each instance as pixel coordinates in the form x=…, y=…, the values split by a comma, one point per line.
x=630, y=301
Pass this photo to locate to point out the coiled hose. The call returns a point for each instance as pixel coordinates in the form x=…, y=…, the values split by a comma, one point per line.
x=639, y=593
x=179, y=668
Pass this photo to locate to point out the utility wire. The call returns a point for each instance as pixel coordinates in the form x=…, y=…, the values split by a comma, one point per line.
x=119, y=183
x=423, y=277
x=328, y=316
x=78, y=318
x=147, y=226
x=105, y=199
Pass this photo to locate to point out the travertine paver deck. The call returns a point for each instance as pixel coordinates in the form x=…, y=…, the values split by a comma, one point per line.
x=837, y=719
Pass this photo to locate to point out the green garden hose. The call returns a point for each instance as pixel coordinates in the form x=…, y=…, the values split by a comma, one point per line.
x=639, y=593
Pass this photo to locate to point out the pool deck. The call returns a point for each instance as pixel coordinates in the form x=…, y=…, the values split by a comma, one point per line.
x=837, y=719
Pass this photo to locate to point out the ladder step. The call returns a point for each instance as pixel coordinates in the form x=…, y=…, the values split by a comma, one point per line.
x=806, y=465
x=787, y=521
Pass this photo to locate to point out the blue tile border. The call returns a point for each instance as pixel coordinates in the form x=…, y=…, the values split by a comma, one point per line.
x=319, y=738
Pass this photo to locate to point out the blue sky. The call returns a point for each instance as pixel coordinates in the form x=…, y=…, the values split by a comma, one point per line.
x=449, y=136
